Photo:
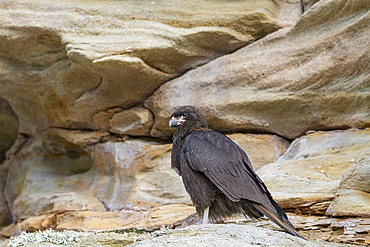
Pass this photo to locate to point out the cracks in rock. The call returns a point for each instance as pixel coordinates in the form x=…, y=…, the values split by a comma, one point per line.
x=71, y=129
x=90, y=90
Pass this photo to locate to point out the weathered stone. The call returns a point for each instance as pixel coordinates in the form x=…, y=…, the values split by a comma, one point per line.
x=151, y=218
x=350, y=203
x=136, y=121
x=135, y=170
x=101, y=119
x=69, y=68
x=71, y=43
x=346, y=231
x=77, y=137
x=290, y=82
x=261, y=149
x=45, y=178
x=309, y=174
x=353, y=198
x=357, y=176
x=222, y=235
x=8, y=128
x=10, y=230
x=34, y=223
x=5, y=217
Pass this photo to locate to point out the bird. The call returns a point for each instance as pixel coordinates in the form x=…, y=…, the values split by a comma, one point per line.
x=217, y=173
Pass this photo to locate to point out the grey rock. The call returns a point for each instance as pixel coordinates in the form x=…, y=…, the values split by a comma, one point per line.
x=222, y=235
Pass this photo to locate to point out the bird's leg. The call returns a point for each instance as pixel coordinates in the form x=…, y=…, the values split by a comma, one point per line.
x=205, y=216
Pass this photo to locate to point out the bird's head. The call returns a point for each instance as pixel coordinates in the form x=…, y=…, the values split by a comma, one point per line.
x=187, y=117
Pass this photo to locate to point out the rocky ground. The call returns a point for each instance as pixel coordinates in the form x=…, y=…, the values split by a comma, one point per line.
x=87, y=89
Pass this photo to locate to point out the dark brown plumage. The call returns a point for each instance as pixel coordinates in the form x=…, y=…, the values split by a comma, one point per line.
x=217, y=173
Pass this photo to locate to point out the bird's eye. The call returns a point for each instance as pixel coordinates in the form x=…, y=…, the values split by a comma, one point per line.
x=184, y=115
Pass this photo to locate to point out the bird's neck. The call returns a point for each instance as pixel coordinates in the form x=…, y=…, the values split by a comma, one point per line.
x=180, y=135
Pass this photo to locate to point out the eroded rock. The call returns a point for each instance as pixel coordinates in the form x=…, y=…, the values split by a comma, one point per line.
x=219, y=235
x=74, y=60
x=8, y=128
x=353, y=197
x=142, y=216
x=136, y=121
x=290, y=82
x=261, y=149
x=308, y=176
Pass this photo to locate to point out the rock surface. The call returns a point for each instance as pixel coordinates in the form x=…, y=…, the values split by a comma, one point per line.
x=134, y=121
x=87, y=88
x=315, y=168
x=353, y=195
x=116, y=53
x=8, y=127
x=222, y=235
x=199, y=235
x=261, y=149
x=290, y=82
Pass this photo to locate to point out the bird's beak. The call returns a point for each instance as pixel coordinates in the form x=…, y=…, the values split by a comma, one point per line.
x=174, y=122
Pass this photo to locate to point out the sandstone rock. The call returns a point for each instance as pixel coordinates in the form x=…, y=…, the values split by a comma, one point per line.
x=69, y=69
x=345, y=231
x=309, y=174
x=135, y=121
x=10, y=230
x=353, y=198
x=35, y=223
x=101, y=119
x=46, y=178
x=222, y=235
x=135, y=170
x=82, y=59
x=261, y=149
x=151, y=218
x=290, y=82
x=357, y=176
x=8, y=128
x=77, y=137
x=5, y=217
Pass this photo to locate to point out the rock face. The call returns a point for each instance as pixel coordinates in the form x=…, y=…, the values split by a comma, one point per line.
x=222, y=235
x=8, y=127
x=320, y=167
x=290, y=82
x=261, y=149
x=135, y=121
x=353, y=196
x=87, y=88
x=117, y=59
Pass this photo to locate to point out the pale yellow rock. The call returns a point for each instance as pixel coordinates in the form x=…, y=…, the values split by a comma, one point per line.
x=290, y=82
x=31, y=224
x=69, y=60
x=152, y=218
x=261, y=149
x=115, y=63
x=101, y=119
x=310, y=173
x=353, y=198
x=350, y=203
x=136, y=121
x=10, y=230
x=54, y=179
x=135, y=170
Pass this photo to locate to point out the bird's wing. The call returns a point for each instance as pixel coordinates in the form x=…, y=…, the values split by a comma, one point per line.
x=226, y=165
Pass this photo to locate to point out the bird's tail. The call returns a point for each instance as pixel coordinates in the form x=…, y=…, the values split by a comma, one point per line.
x=283, y=223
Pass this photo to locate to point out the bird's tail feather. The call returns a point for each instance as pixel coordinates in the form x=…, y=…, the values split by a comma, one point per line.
x=287, y=226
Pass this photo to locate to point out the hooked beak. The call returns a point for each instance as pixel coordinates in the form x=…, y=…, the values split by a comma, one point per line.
x=174, y=122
